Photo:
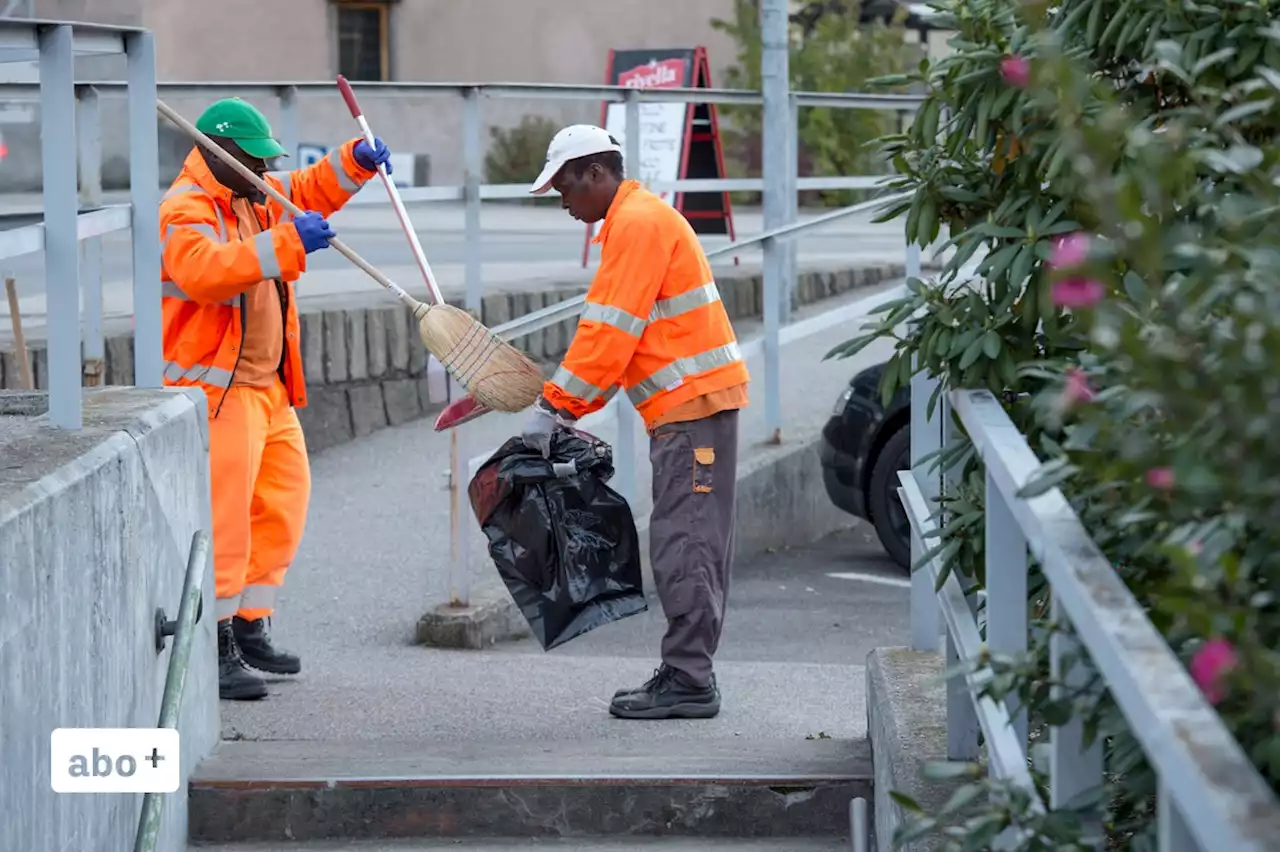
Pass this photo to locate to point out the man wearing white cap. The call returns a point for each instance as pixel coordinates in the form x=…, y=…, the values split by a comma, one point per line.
x=653, y=324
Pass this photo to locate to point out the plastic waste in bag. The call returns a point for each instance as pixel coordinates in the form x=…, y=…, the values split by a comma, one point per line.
x=564, y=542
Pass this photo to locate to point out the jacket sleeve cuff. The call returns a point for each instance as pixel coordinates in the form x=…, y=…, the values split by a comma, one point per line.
x=355, y=171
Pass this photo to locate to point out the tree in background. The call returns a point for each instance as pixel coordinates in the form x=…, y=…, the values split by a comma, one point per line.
x=517, y=154
x=832, y=50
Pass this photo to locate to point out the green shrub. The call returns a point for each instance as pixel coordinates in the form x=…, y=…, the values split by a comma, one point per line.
x=831, y=51
x=517, y=154
x=1117, y=165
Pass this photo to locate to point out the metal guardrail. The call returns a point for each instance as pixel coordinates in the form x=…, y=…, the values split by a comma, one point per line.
x=1210, y=796
x=183, y=631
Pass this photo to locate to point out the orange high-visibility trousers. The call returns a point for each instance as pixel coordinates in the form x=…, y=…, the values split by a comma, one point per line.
x=261, y=486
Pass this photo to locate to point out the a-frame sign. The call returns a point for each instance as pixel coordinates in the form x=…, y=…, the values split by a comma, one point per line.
x=677, y=141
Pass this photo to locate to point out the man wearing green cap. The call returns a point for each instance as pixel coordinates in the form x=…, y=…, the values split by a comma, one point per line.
x=229, y=260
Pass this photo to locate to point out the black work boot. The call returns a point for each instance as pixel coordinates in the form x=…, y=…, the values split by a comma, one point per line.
x=258, y=651
x=235, y=681
x=667, y=696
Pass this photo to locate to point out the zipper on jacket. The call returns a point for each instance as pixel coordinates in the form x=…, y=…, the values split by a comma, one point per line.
x=284, y=332
x=244, y=323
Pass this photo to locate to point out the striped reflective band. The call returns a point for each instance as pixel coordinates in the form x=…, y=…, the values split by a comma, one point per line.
x=259, y=596
x=182, y=188
x=673, y=375
x=615, y=317
x=268, y=260
x=175, y=372
x=172, y=291
x=575, y=385
x=685, y=302
x=344, y=179
x=633, y=325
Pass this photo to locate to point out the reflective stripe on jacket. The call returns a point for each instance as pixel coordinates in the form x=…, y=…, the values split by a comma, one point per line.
x=205, y=267
x=653, y=322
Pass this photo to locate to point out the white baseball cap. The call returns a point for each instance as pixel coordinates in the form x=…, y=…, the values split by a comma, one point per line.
x=576, y=140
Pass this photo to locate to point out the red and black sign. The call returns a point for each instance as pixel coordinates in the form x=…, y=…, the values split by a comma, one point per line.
x=677, y=141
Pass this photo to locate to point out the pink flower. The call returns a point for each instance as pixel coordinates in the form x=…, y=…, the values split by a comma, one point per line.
x=1069, y=251
x=1076, y=388
x=1016, y=71
x=1078, y=293
x=1160, y=478
x=1214, y=659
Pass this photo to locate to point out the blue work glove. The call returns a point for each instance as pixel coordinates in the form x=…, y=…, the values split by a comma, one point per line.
x=371, y=158
x=541, y=425
x=314, y=231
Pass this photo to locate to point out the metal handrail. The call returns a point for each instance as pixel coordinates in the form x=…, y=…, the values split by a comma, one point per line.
x=568, y=309
x=189, y=611
x=546, y=91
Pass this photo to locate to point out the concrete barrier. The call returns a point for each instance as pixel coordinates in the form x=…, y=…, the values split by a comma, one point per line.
x=907, y=726
x=95, y=531
x=366, y=367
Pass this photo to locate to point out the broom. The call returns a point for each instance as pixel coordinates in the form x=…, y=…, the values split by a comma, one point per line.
x=493, y=371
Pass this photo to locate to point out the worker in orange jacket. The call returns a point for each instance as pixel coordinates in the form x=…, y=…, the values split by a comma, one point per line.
x=229, y=257
x=653, y=324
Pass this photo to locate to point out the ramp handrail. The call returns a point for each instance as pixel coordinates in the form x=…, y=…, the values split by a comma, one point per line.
x=183, y=631
x=1210, y=796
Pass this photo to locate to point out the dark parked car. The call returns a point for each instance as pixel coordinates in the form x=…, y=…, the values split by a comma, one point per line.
x=864, y=445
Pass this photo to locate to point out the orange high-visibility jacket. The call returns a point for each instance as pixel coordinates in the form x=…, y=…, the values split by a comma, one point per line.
x=206, y=267
x=653, y=322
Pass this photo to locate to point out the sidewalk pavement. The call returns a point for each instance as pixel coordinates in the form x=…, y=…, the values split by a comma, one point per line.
x=376, y=556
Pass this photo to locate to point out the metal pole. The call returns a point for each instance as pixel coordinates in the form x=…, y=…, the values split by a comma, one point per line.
x=472, y=149
x=89, y=139
x=189, y=609
x=61, y=211
x=791, y=248
x=144, y=188
x=926, y=438
x=775, y=89
x=459, y=476
x=624, y=452
x=289, y=137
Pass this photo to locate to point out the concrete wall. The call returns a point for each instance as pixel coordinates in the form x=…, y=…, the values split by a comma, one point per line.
x=95, y=529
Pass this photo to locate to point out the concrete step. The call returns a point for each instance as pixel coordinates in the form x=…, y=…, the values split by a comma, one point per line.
x=727, y=788
x=524, y=844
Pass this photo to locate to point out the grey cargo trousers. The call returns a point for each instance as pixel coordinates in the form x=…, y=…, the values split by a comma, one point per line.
x=691, y=535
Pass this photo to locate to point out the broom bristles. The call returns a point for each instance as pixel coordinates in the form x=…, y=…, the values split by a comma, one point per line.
x=493, y=371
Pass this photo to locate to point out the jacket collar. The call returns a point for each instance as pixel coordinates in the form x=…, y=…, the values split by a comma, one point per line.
x=197, y=171
x=625, y=189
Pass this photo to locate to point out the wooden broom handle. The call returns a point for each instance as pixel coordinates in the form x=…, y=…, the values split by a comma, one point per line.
x=284, y=202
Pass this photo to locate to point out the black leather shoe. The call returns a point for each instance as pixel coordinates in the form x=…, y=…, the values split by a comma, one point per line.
x=258, y=651
x=235, y=681
x=666, y=696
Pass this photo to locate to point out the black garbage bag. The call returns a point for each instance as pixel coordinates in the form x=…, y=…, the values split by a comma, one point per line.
x=564, y=542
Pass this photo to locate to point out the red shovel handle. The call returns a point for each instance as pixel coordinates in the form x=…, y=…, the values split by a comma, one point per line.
x=349, y=96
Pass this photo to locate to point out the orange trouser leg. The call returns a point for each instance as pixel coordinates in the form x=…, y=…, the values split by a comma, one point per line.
x=237, y=437
x=278, y=513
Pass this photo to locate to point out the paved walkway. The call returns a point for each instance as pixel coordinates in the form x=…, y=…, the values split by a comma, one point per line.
x=376, y=557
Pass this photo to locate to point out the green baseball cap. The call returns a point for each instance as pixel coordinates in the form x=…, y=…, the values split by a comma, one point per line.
x=243, y=123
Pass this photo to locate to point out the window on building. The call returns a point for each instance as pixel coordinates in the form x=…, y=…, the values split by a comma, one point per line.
x=363, y=50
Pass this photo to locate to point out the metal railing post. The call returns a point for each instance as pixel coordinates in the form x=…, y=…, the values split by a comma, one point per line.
x=775, y=89
x=1006, y=564
x=962, y=716
x=791, y=248
x=459, y=510
x=473, y=160
x=625, y=415
x=89, y=144
x=61, y=211
x=1075, y=770
x=144, y=188
x=290, y=137
x=926, y=438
